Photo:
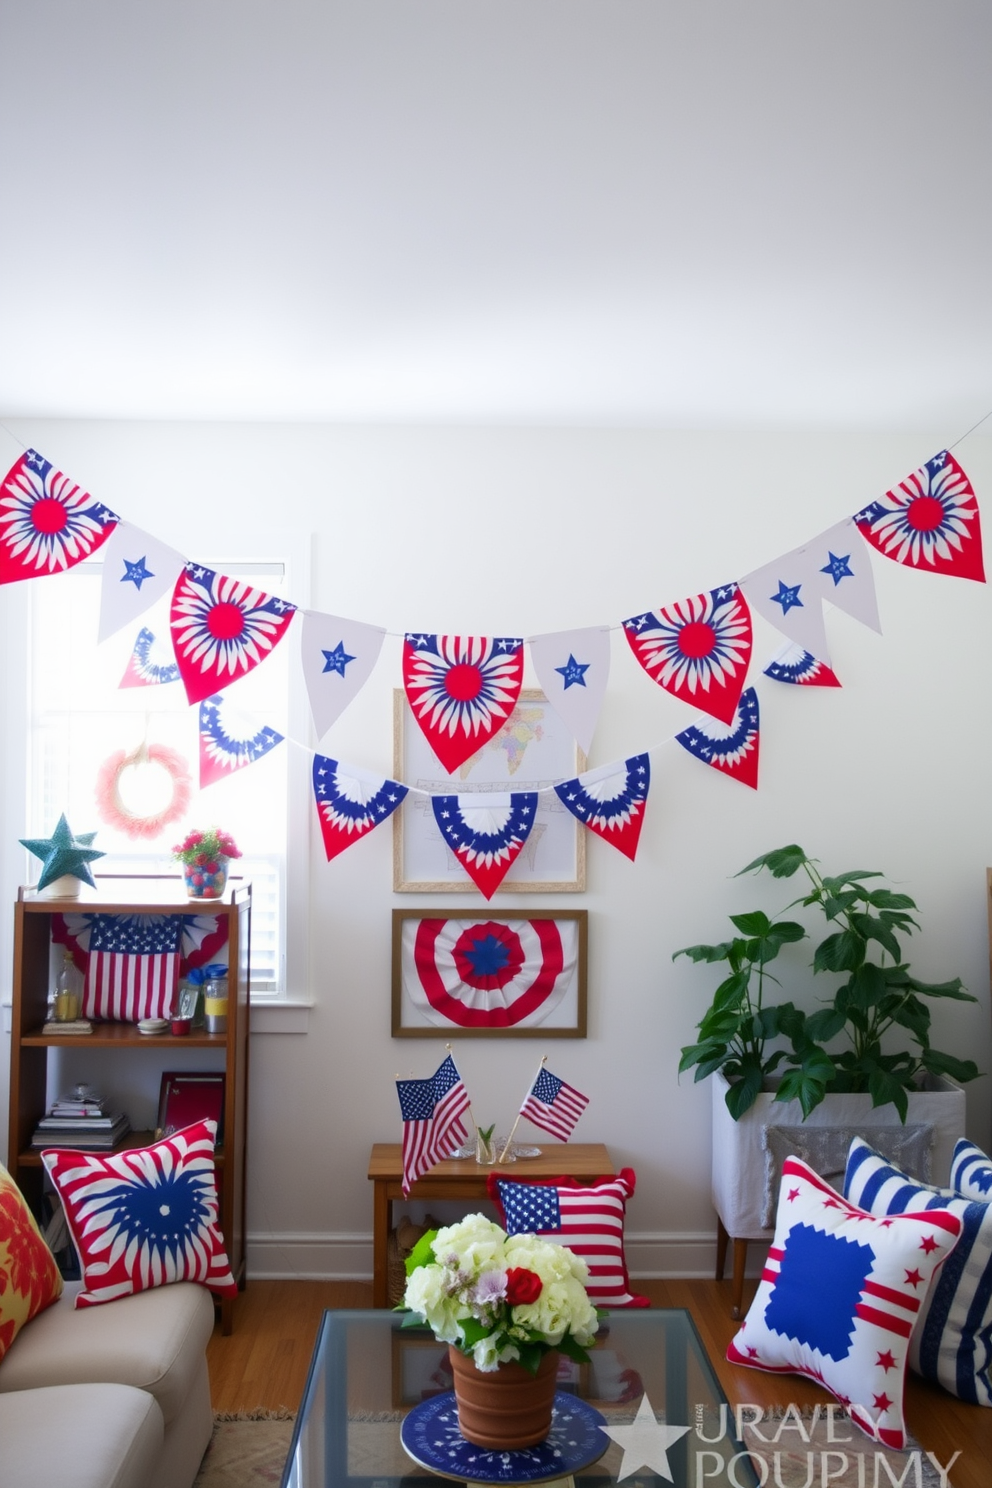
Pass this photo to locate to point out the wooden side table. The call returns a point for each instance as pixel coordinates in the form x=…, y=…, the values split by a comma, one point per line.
x=463, y=1178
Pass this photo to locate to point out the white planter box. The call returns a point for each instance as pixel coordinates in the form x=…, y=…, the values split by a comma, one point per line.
x=747, y=1153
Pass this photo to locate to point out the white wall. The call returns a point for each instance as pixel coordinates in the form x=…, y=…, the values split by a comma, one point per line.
x=527, y=530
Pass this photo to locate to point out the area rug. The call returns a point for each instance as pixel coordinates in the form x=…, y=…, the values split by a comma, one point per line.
x=798, y=1448
x=247, y=1450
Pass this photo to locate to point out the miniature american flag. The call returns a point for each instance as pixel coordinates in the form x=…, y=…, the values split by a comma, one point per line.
x=553, y=1106
x=432, y=1119
x=133, y=966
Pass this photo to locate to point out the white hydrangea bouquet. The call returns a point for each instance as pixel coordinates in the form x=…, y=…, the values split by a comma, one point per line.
x=498, y=1297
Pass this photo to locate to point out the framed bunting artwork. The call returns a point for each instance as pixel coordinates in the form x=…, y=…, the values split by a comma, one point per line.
x=461, y=973
x=530, y=753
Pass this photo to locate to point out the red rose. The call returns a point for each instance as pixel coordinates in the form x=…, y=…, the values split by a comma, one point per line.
x=522, y=1286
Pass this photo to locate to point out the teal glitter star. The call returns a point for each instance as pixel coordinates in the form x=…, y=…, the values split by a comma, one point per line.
x=63, y=853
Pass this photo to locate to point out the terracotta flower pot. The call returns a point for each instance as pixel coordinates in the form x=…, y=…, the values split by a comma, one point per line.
x=505, y=1408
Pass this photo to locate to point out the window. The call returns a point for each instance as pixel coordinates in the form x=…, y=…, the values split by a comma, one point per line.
x=79, y=717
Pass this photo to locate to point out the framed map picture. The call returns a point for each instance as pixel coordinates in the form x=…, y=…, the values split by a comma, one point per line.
x=465, y=973
x=533, y=750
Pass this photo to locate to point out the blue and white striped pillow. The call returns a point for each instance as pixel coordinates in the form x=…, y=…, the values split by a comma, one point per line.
x=971, y=1172
x=952, y=1339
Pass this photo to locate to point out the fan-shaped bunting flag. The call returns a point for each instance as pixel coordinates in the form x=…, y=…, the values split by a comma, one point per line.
x=698, y=649
x=793, y=664
x=142, y=669
x=229, y=741
x=350, y=802
x=610, y=801
x=573, y=668
x=222, y=629
x=338, y=657
x=929, y=521
x=137, y=571
x=486, y=832
x=732, y=749
x=47, y=524
x=462, y=690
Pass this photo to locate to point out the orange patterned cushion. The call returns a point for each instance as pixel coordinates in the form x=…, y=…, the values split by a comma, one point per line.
x=29, y=1278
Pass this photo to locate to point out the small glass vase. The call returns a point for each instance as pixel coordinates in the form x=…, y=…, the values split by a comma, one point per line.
x=507, y=1408
x=207, y=881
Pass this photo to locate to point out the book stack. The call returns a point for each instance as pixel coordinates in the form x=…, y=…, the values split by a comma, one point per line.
x=81, y=1122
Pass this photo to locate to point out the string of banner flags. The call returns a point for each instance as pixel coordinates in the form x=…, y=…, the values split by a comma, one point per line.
x=462, y=689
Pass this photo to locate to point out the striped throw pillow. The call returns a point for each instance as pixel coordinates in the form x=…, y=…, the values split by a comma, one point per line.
x=588, y=1219
x=952, y=1340
x=971, y=1172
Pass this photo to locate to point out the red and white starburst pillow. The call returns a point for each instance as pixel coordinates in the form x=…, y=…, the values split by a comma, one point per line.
x=144, y=1217
x=839, y=1296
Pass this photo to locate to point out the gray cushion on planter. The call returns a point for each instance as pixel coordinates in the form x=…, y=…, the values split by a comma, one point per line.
x=825, y=1149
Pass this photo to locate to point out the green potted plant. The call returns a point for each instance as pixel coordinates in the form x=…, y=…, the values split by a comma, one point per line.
x=878, y=1001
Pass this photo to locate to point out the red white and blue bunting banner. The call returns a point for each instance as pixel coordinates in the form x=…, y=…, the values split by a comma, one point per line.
x=610, y=801
x=47, y=523
x=350, y=802
x=150, y=664
x=486, y=832
x=229, y=741
x=463, y=689
x=731, y=748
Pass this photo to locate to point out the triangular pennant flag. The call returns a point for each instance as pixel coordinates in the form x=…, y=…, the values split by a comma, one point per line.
x=611, y=800
x=137, y=571
x=47, y=524
x=929, y=521
x=698, y=649
x=350, y=802
x=222, y=629
x=787, y=593
x=573, y=668
x=142, y=670
x=733, y=749
x=462, y=689
x=793, y=664
x=229, y=741
x=843, y=572
x=486, y=832
x=338, y=657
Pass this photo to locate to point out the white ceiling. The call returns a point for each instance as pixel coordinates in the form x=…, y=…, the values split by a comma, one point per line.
x=734, y=213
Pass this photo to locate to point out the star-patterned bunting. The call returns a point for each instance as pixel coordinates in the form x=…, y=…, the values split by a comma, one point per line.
x=350, y=802
x=47, y=523
x=338, y=657
x=698, y=649
x=142, y=669
x=222, y=629
x=462, y=689
x=793, y=664
x=573, y=668
x=930, y=521
x=63, y=854
x=229, y=741
x=137, y=571
x=610, y=801
x=486, y=832
x=733, y=748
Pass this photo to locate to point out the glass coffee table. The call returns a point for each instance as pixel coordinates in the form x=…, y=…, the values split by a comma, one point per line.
x=648, y=1379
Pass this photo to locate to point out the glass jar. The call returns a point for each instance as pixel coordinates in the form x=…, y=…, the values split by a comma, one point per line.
x=215, y=998
x=67, y=996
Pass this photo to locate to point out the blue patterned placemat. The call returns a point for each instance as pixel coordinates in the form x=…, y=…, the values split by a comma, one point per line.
x=431, y=1437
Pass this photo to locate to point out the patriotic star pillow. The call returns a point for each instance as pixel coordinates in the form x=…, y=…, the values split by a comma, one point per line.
x=839, y=1296
x=587, y=1218
x=950, y=1340
x=144, y=1217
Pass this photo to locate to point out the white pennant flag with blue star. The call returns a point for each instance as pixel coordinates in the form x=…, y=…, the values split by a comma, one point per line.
x=842, y=561
x=338, y=657
x=787, y=592
x=137, y=570
x=573, y=668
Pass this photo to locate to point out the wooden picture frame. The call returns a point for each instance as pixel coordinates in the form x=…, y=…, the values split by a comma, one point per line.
x=553, y=860
x=448, y=964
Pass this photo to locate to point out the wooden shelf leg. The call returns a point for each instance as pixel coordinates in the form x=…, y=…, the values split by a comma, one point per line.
x=721, y=1248
x=381, y=1207
x=740, y=1261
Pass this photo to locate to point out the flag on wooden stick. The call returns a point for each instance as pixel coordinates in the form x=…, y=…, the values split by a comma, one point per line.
x=553, y=1106
x=432, y=1119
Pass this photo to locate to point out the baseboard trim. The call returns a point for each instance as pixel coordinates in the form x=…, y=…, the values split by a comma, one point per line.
x=343, y=1256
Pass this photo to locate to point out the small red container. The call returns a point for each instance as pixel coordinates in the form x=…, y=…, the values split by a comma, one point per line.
x=180, y=1027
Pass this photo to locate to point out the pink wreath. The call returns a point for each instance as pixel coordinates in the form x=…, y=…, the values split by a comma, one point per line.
x=112, y=809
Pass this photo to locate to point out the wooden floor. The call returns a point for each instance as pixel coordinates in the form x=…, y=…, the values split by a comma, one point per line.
x=263, y=1363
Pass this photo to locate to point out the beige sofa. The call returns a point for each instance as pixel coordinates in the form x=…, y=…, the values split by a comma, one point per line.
x=115, y=1396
